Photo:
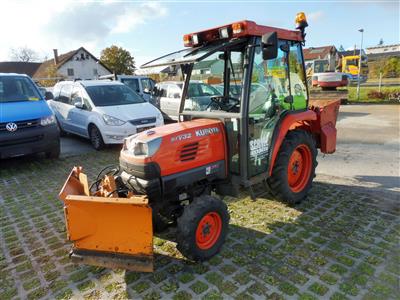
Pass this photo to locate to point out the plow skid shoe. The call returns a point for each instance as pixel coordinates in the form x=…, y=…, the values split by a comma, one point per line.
x=105, y=231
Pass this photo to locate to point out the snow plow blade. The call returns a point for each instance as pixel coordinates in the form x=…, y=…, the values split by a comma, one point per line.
x=107, y=231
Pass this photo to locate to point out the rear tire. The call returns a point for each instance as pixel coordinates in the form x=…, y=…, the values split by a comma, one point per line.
x=294, y=168
x=202, y=228
x=95, y=138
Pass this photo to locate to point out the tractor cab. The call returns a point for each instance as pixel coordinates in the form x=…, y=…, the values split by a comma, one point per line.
x=259, y=71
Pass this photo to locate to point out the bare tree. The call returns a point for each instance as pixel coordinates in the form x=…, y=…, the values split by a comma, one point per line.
x=23, y=54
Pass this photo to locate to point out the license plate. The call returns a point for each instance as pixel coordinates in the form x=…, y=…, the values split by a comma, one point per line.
x=143, y=128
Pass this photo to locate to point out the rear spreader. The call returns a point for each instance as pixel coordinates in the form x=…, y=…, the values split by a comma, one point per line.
x=170, y=176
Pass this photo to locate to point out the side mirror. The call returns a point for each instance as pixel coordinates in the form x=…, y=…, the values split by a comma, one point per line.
x=288, y=99
x=48, y=96
x=79, y=104
x=269, y=45
x=146, y=91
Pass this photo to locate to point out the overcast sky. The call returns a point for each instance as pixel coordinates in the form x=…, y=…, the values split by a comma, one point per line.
x=152, y=28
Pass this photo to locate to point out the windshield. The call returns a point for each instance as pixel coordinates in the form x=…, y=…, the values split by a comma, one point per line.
x=219, y=71
x=16, y=89
x=109, y=95
x=202, y=90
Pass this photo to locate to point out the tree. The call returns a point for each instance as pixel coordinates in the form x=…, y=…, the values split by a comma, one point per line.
x=24, y=54
x=380, y=42
x=341, y=48
x=391, y=69
x=118, y=60
x=52, y=75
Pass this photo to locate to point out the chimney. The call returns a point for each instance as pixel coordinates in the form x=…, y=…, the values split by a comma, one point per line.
x=55, y=56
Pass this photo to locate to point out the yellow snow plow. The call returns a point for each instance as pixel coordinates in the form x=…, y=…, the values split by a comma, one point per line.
x=106, y=230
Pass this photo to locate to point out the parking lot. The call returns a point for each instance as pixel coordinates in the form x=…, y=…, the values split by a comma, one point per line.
x=341, y=243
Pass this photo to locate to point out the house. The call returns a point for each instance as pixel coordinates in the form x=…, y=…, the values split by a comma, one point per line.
x=214, y=66
x=383, y=51
x=21, y=67
x=329, y=53
x=76, y=64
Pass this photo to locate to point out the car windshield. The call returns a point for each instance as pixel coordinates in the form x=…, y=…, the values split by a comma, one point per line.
x=109, y=95
x=202, y=90
x=16, y=89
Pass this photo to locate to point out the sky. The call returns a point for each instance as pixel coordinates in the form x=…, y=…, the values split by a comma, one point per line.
x=149, y=29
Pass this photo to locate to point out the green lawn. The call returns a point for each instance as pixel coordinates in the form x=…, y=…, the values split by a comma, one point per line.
x=368, y=97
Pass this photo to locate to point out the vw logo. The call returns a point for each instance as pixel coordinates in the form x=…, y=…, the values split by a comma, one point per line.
x=11, y=127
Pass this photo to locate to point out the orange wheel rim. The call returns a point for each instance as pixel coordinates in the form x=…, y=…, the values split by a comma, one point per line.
x=299, y=168
x=208, y=230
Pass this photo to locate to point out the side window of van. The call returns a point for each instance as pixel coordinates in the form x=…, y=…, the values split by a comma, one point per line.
x=65, y=94
x=173, y=91
x=56, y=92
x=163, y=90
x=76, y=95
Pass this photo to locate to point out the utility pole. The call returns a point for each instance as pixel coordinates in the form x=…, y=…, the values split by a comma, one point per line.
x=359, y=65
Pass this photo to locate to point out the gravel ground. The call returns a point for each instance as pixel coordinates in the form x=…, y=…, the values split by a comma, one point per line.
x=338, y=244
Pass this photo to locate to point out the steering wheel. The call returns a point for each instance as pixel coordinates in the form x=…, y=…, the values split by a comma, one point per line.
x=221, y=105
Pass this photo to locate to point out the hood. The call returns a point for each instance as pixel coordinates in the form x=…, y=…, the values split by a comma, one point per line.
x=130, y=111
x=23, y=110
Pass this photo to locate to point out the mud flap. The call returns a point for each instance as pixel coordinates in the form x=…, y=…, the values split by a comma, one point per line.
x=105, y=231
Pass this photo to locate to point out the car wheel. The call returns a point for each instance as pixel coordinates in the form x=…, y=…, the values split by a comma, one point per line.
x=95, y=138
x=54, y=153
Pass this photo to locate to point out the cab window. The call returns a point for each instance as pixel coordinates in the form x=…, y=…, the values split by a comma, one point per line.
x=297, y=77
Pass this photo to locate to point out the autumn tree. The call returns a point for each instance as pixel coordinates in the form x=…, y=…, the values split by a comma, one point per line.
x=118, y=60
x=24, y=54
x=52, y=76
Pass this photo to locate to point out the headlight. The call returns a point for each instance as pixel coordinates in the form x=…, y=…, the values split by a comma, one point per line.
x=109, y=120
x=139, y=148
x=48, y=120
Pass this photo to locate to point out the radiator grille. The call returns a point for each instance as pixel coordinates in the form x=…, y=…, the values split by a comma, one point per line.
x=21, y=124
x=189, y=152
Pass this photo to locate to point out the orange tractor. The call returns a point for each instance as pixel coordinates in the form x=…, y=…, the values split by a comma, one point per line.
x=268, y=133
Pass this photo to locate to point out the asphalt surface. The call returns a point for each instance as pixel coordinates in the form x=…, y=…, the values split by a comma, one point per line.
x=368, y=147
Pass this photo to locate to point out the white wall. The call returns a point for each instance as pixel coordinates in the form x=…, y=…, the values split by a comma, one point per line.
x=383, y=49
x=83, y=69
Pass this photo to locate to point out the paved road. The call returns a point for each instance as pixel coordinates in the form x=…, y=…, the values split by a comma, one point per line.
x=368, y=146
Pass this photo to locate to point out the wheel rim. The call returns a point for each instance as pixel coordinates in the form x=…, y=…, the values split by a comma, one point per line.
x=208, y=231
x=299, y=168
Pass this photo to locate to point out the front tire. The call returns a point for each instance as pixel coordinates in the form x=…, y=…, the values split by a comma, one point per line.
x=54, y=152
x=202, y=228
x=95, y=138
x=294, y=168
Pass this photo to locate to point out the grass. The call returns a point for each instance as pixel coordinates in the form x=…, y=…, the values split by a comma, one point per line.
x=365, y=90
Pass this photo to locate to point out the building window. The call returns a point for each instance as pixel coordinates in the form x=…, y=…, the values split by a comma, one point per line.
x=95, y=73
x=70, y=72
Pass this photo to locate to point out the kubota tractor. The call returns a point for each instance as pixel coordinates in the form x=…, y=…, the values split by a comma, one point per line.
x=170, y=175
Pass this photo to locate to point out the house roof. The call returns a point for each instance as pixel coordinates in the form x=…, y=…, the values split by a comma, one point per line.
x=204, y=64
x=20, y=67
x=317, y=52
x=62, y=59
x=383, y=46
x=377, y=56
x=351, y=52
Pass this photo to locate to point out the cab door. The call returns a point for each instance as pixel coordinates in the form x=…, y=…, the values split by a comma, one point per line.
x=269, y=92
x=277, y=86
